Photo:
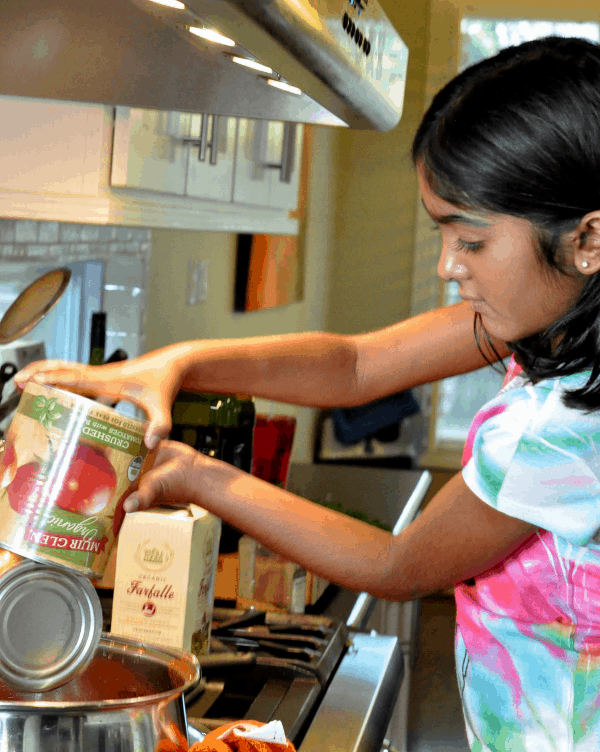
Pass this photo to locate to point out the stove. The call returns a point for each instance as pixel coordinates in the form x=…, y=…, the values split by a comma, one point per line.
x=333, y=684
x=328, y=684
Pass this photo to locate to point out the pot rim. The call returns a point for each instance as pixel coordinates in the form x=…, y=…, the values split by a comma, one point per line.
x=109, y=640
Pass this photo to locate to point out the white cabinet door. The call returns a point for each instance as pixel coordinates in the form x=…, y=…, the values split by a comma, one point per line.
x=211, y=157
x=267, y=164
x=150, y=150
x=52, y=147
x=285, y=148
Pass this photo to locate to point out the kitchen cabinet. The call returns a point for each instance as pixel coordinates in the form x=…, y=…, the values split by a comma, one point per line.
x=267, y=163
x=149, y=150
x=94, y=164
x=211, y=159
x=50, y=147
x=247, y=162
x=174, y=152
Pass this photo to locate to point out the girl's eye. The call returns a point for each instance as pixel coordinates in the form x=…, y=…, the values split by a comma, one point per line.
x=469, y=247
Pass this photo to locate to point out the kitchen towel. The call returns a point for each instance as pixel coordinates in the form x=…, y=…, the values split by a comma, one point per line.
x=238, y=736
x=355, y=424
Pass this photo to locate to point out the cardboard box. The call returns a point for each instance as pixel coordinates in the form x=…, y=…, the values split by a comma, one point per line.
x=269, y=578
x=165, y=576
x=228, y=567
x=315, y=587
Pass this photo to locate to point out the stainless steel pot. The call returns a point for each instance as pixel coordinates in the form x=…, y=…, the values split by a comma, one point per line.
x=129, y=699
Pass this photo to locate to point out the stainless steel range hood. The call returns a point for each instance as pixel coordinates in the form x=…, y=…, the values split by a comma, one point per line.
x=344, y=55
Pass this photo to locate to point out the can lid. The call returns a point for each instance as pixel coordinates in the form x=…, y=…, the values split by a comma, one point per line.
x=50, y=625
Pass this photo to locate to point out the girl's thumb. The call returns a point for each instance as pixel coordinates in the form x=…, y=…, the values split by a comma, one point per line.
x=159, y=426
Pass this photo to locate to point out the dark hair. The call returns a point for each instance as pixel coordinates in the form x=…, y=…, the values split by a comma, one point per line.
x=519, y=134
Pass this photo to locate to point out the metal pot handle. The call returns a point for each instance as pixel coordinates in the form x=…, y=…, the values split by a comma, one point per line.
x=196, y=731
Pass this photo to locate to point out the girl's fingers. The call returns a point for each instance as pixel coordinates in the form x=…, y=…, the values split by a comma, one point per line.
x=168, y=479
x=113, y=383
x=75, y=377
x=46, y=366
x=97, y=382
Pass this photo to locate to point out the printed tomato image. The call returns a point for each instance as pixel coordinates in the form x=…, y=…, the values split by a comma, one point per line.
x=8, y=465
x=89, y=482
x=23, y=485
x=66, y=469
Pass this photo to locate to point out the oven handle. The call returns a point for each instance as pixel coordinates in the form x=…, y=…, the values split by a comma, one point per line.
x=365, y=603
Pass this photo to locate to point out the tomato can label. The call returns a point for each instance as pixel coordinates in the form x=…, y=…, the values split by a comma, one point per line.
x=68, y=465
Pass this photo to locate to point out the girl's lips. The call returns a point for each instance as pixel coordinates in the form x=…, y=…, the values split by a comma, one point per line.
x=478, y=305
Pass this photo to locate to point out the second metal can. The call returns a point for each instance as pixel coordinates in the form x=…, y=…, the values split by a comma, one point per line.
x=50, y=623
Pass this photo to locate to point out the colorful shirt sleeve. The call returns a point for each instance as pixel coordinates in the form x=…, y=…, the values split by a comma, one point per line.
x=537, y=460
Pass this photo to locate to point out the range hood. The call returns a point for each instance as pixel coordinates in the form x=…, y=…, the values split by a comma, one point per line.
x=344, y=58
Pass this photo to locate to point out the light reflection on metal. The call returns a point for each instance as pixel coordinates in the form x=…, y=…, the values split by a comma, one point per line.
x=284, y=87
x=305, y=12
x=212, y=36
x=252, y=64
x=170, y=4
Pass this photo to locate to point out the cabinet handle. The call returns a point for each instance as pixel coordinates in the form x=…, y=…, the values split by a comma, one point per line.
x=288, y=152
x=214, y=140
x=203, y=142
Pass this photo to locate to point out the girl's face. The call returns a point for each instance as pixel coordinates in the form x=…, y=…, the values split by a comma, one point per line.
x=493, y=258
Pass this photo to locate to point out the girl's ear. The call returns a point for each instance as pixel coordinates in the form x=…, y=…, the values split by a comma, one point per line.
x=586, y=253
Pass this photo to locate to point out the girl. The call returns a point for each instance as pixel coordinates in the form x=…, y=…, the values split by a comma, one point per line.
x=508, y=161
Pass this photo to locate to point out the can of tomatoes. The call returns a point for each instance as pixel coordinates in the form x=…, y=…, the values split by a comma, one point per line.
x=67, y=466
x=50, y=624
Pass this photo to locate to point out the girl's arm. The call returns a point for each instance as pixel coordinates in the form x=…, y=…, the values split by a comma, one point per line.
x=313, y=369
x=456, y=537
x=327, y=370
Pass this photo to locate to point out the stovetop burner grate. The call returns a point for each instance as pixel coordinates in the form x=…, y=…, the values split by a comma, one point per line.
x=266, y=666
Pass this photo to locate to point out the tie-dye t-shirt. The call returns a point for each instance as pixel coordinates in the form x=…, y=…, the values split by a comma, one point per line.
x=528, y=630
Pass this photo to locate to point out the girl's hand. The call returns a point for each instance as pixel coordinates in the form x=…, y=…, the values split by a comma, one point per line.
x=177, y=476
x=150, y=382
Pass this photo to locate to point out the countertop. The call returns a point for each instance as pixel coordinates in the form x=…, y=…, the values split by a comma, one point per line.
x=377, y=492
x=380, y=493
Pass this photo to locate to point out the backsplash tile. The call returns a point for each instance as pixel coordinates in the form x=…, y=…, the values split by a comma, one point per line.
x=124, y=250
x=26, y=231
x=48, y=232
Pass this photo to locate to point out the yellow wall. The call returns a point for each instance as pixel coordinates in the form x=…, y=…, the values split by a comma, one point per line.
x=359, y=239
x=377, y=199
x=170, y=319
x=545, y=10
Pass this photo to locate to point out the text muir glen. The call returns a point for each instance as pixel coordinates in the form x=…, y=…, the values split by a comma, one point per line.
x=138, y=587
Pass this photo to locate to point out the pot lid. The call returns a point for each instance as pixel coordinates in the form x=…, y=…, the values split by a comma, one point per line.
x=33, y=304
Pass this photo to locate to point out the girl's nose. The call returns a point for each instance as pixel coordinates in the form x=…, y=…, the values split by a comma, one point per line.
x=449, y=268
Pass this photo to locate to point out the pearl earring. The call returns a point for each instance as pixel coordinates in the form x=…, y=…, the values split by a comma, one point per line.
x=584, y=264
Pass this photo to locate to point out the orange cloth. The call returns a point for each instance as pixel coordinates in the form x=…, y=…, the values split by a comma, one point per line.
x=224, y=740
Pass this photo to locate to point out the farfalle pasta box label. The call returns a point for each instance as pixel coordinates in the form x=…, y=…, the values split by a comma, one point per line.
x=68, y=464
x=165, y=576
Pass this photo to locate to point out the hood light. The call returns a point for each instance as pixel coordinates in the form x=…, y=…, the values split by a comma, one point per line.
x=285, y=87
x=252, y=64
x=212, y=36
x=170, y=3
